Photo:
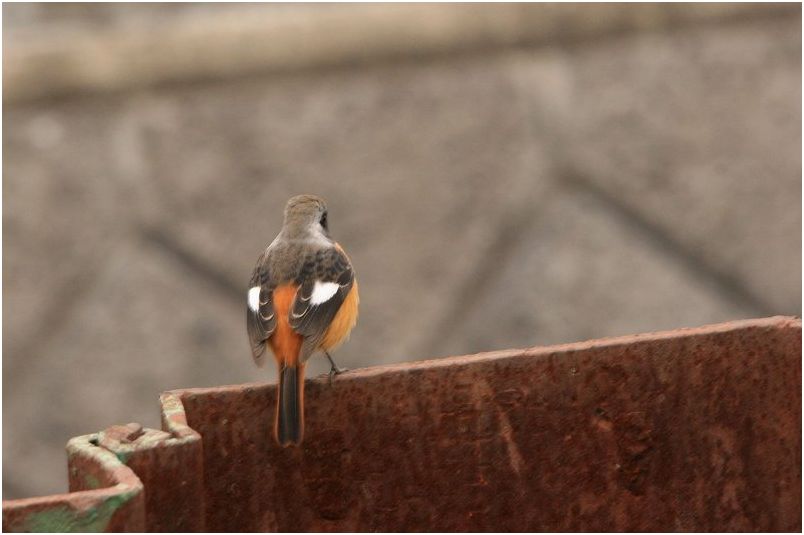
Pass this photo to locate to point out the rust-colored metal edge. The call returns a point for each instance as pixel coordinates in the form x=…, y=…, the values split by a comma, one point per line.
x=631, y=427
x=127, y=478
x=174, y=419
x=169, y=463
x=113, y=499
x=110, y=469
x=780, y=322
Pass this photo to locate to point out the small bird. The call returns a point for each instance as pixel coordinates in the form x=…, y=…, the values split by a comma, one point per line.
x=302, y=298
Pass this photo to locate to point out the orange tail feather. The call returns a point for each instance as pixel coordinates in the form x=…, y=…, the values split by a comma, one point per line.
x=286, y=344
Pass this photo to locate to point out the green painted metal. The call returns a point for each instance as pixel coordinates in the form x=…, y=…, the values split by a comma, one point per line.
x=106, y=496
x=67, y=519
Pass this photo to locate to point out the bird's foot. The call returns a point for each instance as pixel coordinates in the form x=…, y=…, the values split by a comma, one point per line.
x=336, y=371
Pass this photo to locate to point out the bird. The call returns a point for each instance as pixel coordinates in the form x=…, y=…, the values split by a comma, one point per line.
x=302, y=298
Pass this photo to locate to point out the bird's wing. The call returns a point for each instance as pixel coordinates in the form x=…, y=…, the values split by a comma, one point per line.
x=260, y=319
x=324, y=283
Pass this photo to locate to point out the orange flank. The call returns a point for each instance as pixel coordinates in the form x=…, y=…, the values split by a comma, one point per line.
x=343, y=322
x=285, y=342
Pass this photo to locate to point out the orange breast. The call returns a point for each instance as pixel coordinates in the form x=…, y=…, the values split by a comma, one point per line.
x=343, y=322
x=285, y=342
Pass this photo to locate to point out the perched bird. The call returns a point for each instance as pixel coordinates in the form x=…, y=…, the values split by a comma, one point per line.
x=302, y=298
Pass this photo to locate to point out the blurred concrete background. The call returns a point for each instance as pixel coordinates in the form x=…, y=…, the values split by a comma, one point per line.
x=502, y=176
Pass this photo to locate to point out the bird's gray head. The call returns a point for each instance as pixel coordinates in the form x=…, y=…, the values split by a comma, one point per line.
x=306, y=214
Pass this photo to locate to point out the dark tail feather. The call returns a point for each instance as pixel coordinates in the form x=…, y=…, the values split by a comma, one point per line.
x=290, y=407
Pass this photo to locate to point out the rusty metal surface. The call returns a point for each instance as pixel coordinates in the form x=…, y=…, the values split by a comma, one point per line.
x=147, y=480
x=169, y=465
x=105, y=495
x=696, y=429
x=689, y=430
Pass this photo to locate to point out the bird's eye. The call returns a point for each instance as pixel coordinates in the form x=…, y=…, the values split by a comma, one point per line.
x=324, y=221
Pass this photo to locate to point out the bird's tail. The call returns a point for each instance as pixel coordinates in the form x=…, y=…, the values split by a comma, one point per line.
x=290, y=406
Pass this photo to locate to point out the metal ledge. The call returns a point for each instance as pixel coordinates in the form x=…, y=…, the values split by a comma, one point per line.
x=106, y=495
x=688, y=430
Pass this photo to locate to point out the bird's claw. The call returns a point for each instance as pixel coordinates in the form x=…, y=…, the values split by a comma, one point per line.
x=336, y=371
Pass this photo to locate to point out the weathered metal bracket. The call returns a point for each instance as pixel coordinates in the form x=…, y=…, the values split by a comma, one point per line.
x=108, y=474
x=106, y=495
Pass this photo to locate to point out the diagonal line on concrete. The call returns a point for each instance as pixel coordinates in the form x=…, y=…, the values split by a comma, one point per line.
x=727, y=284
x=196, y=265
x=467, y=293
x=64, y=301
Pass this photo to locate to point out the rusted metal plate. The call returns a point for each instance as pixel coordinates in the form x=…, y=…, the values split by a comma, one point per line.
x=106, y=496
x=170, y=466
x=148, y=480
x=689, y=430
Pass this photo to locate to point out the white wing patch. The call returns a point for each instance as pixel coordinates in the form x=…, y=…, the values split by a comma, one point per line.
x=323, y=292
x=254, y=299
